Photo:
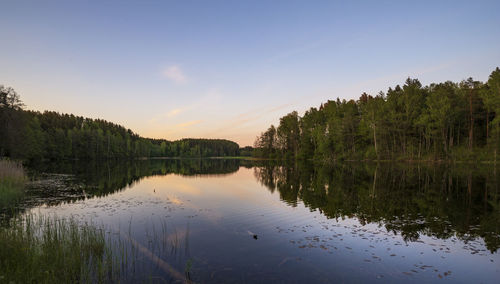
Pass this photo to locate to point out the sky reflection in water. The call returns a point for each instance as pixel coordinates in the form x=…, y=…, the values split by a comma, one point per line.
x=271, y=223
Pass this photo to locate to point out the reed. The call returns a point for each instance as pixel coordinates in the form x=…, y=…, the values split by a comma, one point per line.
x=40, y=249
x=12, y=180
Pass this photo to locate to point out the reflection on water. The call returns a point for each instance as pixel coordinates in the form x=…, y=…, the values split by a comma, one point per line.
x=241, y=221
x=68, y=181
x=410, y=200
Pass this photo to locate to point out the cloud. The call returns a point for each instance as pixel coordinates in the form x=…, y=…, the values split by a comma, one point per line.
x=174, y=73
x=242, y=119
x=174, y=112
x=186, y=124
x=169, y=114
x=211, y=96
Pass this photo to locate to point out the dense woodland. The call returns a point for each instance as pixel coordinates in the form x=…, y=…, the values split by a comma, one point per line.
x=445, y=121
x=50, y=135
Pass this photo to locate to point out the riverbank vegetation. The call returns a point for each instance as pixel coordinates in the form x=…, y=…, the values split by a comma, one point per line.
x=46, y=250
x=442, y=121
x=32, y=135
x=12, y=179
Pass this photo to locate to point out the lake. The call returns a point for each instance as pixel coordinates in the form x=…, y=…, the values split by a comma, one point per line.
x=223, y=220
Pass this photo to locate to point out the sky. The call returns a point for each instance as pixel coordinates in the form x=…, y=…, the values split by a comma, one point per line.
x=230, y=69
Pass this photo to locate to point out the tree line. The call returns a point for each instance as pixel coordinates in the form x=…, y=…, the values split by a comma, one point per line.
x=452, y=121
x=30, y=135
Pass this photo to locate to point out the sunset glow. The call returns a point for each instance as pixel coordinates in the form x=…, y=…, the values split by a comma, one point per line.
x=229, y=69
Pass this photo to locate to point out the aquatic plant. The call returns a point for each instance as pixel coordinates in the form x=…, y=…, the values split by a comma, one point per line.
x=12, y=179
x=38, y=248
x=41, y=249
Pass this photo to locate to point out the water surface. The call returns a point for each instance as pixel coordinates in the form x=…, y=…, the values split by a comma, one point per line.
x=214, y=221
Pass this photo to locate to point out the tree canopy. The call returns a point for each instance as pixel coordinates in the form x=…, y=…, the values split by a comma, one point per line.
x=52, y=135
x=456, y=121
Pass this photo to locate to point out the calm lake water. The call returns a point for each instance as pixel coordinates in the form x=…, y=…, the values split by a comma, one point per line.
x=214, y=220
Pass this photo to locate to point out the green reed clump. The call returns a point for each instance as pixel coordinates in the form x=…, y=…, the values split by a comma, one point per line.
x=12, y=179
x=41, y=249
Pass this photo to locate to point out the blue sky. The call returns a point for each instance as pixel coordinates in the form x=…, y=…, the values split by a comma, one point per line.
x=229, y=69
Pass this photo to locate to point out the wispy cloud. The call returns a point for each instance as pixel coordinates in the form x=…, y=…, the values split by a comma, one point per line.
x=242, y=119
x=211, y=96
x=170, y=114
x=174, y=73
x=187, y=124
x=174, y=112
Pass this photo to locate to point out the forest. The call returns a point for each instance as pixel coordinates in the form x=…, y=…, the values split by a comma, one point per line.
x=33, y=135
x=441, y=121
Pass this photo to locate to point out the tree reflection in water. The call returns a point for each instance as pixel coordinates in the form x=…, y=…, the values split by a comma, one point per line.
x=410, y=199
x=437, y=200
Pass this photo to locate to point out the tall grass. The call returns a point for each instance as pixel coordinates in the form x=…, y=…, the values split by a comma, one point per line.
x=37, y=248
x=12, y=179
x=40, y=249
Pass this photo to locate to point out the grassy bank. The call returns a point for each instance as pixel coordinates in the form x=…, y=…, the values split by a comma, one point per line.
x=12, y=179
x=46, y=250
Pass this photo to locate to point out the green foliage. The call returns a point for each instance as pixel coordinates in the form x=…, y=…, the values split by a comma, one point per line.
x=12, y=179
x=247, y=151
x=50, y=135
x=412, y=122
x=46, y=250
